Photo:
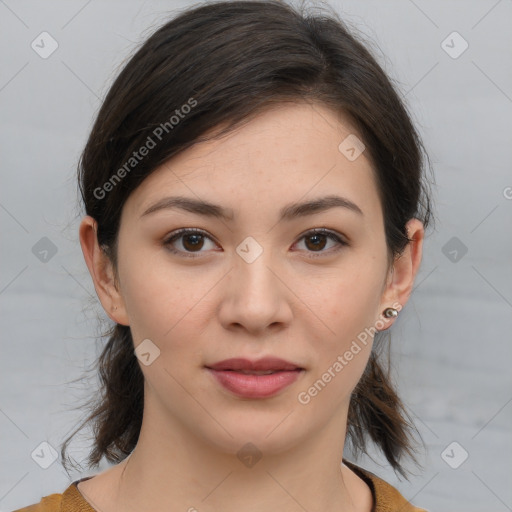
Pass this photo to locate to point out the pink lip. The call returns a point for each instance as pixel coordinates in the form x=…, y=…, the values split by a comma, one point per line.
x=266, y=363
x=229, y=374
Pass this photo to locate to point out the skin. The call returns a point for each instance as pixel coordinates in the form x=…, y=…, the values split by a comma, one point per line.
x=286, y=303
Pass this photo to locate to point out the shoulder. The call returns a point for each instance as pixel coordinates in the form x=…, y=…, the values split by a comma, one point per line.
x=386, y=497
x=49, y=503
x=70, y=500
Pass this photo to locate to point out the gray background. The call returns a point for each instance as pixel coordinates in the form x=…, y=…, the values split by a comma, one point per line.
x=452, y=342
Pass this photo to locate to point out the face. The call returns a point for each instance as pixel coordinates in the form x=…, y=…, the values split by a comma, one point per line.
x=268, y=279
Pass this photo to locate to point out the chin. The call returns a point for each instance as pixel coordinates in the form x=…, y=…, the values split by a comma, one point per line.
x=267, y=434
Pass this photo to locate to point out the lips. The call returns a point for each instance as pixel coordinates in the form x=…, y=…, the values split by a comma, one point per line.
x=267, y=364
x=255, y=379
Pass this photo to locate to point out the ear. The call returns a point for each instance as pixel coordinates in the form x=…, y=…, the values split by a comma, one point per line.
x=400, y=279
x=102, y=272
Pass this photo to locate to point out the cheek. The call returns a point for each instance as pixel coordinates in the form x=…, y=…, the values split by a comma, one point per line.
x=349, y=302
x=342, y=354
x=154, y=297
x=164, y=302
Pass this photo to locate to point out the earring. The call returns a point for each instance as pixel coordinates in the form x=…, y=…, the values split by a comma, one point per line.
x=390, y=313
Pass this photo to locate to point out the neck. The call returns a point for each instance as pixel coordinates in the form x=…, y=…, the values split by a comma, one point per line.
x=170, y=469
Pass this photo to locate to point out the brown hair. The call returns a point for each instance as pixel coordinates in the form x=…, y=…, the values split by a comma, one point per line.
x=228, y=61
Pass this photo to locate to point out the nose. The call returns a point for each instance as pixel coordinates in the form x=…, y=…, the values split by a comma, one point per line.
x=255, y=296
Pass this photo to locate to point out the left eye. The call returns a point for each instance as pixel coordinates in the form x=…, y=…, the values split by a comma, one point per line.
x=319, y=239
x=193, y=240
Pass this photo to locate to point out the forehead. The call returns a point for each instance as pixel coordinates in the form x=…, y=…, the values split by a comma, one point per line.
x=283, y=154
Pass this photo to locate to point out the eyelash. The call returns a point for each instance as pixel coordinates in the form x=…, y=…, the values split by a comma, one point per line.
x=186, y=231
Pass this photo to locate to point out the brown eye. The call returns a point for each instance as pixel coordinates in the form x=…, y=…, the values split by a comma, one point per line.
x=316, y=241
x=193, y=242
x=190, y=240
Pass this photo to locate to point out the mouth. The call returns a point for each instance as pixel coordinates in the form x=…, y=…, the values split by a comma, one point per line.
x=260, y=366
x=255, y=379
x=249, y=372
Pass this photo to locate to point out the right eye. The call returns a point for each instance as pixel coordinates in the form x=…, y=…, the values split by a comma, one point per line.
x=191, y=240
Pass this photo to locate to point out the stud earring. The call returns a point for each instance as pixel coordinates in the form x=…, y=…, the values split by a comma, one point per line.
x=390, y=313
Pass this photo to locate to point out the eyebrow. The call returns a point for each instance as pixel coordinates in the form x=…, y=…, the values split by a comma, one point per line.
x=288, y=213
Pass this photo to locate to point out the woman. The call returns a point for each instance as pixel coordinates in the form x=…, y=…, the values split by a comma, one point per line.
x=255, y=213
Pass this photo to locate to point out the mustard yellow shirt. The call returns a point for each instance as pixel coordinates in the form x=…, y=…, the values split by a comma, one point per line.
x=385, y=497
